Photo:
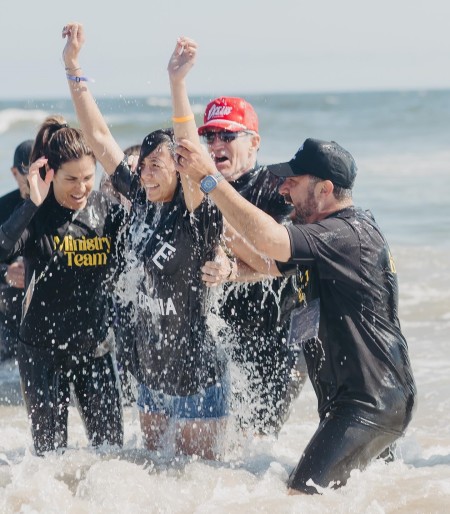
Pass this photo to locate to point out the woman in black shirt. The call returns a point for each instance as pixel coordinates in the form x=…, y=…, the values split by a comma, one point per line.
x=67, y=236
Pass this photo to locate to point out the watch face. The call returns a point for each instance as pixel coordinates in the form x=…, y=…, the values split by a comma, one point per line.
x=208, y=184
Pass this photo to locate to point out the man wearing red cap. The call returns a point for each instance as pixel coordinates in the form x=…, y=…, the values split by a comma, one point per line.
x=258, y=313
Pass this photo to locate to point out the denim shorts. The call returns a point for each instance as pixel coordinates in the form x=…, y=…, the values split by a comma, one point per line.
x=210, y=403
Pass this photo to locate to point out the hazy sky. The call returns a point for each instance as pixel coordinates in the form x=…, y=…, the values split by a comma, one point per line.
x=246, y=46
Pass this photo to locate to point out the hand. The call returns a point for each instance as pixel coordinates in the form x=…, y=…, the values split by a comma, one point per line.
x=183, y=58
x=15, y=275
x=133, y=162
x=39, y=188
x=221, y=270
x=193, y=160
x=75, y=40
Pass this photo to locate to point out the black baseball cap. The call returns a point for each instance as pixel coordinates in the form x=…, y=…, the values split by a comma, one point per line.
x=22, y=156
x=324, y=159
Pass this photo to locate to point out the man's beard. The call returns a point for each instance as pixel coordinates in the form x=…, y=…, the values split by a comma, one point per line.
x=302, y=213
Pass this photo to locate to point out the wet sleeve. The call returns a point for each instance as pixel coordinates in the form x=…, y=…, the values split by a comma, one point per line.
x=286, y=268
x=3, y=270
x=124, y=180
x=209, y=223
x=14, y=233
x=301, y=252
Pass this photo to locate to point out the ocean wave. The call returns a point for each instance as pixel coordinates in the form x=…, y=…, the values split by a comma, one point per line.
x=10, y=117
x=159, y=101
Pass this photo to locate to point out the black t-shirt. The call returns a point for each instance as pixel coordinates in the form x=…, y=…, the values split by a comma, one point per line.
x=260, y=308
x=8, y=203
x=176, y=352
x=10, y=297
x=72, y=255
x=360, y=361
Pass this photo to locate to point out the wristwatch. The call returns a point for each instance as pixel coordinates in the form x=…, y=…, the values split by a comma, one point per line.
x=209, y=183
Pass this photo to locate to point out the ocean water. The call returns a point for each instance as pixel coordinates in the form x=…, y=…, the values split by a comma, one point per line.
x=401, y=143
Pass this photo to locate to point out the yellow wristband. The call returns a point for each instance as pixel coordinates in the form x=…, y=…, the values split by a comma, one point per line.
x=183, y=119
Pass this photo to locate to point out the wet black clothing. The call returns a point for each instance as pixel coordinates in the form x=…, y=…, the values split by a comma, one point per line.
x=10, y=297
x=358, y=361
x=175, y=351
x=46, y=377
x=339, y=445
x=258, y=315
x=71, y=256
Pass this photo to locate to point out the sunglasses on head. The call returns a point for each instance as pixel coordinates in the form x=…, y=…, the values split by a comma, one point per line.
x=224, y=135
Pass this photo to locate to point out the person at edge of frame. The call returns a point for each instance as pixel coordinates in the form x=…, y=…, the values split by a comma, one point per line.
x=12, y=274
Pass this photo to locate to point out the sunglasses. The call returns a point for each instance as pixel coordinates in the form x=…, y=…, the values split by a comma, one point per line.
x=225, y=136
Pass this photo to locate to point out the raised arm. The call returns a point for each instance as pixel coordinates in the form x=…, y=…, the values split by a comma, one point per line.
x=181, y=61
x=261, y=230
x=92, y=123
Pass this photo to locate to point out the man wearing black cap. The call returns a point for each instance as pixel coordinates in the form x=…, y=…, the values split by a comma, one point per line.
x=12, y=274
x=348, y=324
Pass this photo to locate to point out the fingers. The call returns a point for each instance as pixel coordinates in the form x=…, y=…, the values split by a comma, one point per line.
x=182, y=153
x=69, y=30
x=72, y=31
x=215, y=272
x=185, y=147
x=211, y=280
x=36, y=165
x=19, y=266
x=186, y=45
x=15, y=275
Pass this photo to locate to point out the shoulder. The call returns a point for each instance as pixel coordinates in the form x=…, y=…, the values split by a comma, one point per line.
x=100, y=201
x=9, y=201
x=261, y=189
x=11, y=196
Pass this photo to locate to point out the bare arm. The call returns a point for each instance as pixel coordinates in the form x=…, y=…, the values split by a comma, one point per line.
x=237, y=261
x=181, y=61
x=225, y=269
x=92, y=123
x=259, y=266
x=258, y=228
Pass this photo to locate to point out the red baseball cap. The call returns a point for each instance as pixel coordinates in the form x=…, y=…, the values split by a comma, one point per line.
x=229, y=113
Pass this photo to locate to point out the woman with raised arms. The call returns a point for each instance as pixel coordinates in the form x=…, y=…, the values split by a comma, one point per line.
x=181, y=376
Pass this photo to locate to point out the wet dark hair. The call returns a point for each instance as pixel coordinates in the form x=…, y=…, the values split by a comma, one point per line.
x=340, y=193
x=132, y=150
x=155, y=139
x=59, y=143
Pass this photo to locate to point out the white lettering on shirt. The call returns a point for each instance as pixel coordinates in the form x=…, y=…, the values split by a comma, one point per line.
x=163, y=253
x=157, y=305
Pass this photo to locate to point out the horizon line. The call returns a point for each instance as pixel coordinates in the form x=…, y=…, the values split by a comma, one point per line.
x=241, y=93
